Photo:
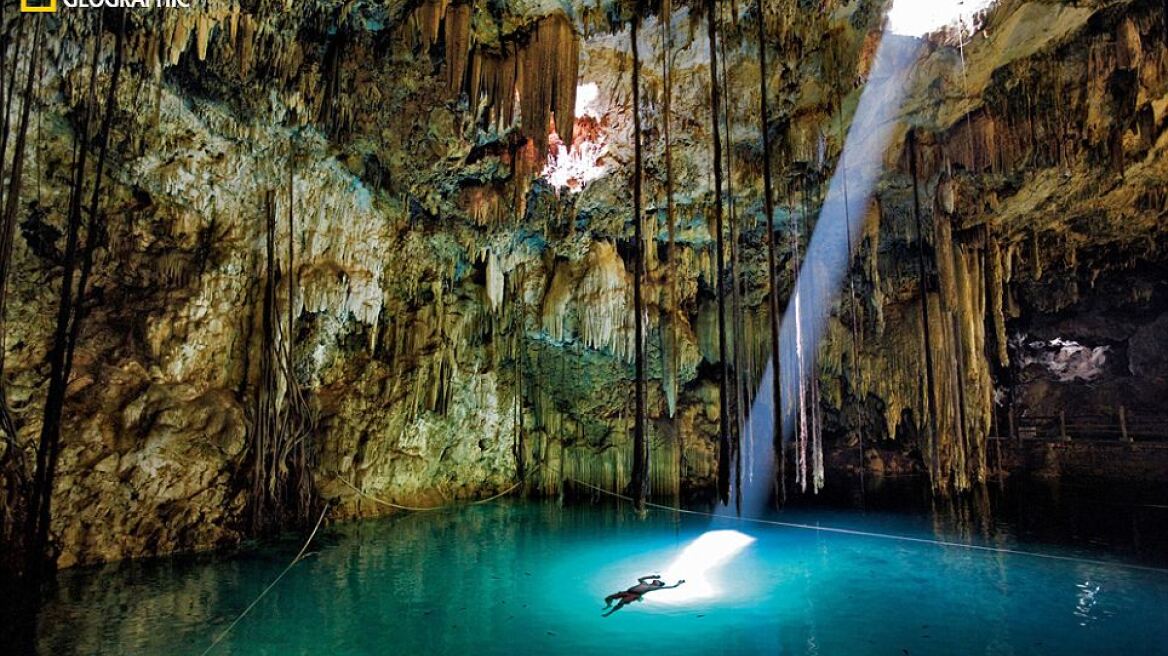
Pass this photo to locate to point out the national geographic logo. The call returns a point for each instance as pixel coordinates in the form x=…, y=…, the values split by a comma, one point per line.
x=50, y=6
x=38, y=6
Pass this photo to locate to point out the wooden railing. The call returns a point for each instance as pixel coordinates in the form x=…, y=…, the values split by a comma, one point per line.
x=1121, y=425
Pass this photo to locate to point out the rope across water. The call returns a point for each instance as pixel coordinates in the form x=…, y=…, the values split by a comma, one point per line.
x=297, y=559
x=398, y=506
x=887, y=536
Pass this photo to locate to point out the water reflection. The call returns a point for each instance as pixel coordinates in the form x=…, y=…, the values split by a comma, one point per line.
x=1086, y=601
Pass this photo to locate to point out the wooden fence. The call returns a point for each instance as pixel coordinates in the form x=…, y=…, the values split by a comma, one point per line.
x=1121, y=425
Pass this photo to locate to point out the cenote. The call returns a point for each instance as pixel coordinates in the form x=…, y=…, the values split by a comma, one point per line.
x=452, y=327
x=513, y=577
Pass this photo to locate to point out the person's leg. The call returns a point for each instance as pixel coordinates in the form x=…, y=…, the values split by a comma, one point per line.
x=615, y=608
x=609, y=598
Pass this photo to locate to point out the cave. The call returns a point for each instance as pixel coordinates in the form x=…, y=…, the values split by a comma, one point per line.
x=458, y=326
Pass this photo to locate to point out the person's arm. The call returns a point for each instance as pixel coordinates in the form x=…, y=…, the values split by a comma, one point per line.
x=649, y=577
x=679, y=582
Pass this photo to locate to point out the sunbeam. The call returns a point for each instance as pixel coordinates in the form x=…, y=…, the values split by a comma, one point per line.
x=827, y=258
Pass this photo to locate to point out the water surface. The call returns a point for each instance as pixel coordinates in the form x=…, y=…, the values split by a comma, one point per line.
x=515, y=578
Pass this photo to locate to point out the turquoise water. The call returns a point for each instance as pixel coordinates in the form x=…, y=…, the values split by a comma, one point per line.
x=519, y=578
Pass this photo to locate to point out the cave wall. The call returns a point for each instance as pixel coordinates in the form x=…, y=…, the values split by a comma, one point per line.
x=456, y=318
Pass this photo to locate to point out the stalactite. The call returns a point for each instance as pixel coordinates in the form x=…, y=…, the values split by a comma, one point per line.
x=960, y=467
x=668, y=324
x=493, y=77
x=537, y=64
x=952, y=434
x=966, y=292
x=458, y=44
x=536, y=69
x=428, y=21
x=931, y=398
x=810, y=432
x=332, y=113
x=494, y=286
x=801, y=387
x=599, y=289
x=246, y=38
x=543, y=75
x=996, y=291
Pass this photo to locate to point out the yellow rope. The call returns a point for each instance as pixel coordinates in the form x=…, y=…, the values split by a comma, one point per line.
x=398, y=506
x=503, y=493
x=387, y=503
x=298, y=558
x=300, y=555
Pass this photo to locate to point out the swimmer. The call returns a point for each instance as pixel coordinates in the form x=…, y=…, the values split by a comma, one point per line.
x=644, y=585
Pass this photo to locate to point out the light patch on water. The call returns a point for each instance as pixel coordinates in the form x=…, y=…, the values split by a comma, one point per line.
x=697, y=564
x=921, y=17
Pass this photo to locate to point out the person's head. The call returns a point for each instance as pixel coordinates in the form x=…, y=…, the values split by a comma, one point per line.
x=658, y=583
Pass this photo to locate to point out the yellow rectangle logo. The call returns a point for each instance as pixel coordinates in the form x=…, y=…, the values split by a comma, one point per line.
x=38, y=6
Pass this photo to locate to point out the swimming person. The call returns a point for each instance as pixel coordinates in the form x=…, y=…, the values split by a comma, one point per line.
x=635, y=593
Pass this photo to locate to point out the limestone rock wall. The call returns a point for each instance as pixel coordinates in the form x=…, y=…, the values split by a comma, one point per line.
x=455, y=320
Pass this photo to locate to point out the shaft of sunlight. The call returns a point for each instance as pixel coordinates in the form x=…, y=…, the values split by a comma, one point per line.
x=828, y=259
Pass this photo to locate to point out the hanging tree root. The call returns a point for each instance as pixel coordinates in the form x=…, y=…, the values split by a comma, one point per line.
x=723, y=391
x=640, y=479
x=13, y=468
x=71, y=306
x=772, y=269
x=281, y=426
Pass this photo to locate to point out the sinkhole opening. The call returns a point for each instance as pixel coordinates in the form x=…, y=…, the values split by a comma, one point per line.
x=574, y=165
x=922, y=17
